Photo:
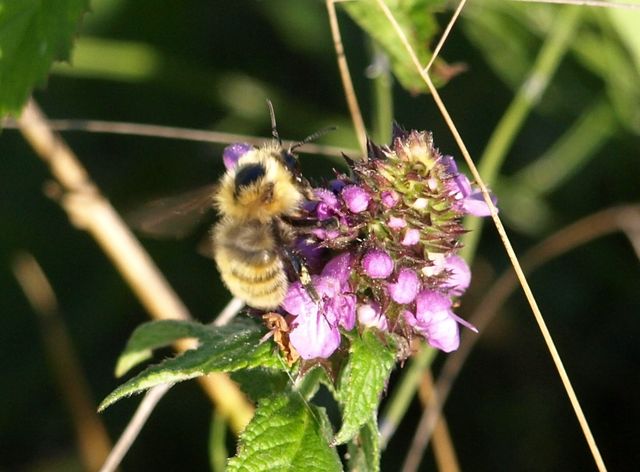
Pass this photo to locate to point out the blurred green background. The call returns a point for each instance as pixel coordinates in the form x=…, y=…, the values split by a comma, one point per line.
x=211, y=65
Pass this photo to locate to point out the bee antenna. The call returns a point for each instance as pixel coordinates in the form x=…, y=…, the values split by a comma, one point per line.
x=312, y=137
x=274, y=128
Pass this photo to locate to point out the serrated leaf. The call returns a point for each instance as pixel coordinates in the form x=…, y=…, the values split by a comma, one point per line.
x=33, y=33
x=260, y=382
x=222, y=349
x=364, y=449
x=417, y=20
x=154, y=335
x=362, y=382
x=286, y=434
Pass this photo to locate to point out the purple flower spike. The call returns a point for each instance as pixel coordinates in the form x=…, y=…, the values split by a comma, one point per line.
x=435, y=320
x=390, y=198
x=356, y=198
x=370, y=315
x=377, y=264
x=411, y=237
x=232, y=154
x=406, y=288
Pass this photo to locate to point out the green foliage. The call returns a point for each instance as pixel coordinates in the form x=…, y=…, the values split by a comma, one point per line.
x=364, y=449
x=154, y=335
x=222, y=349
x=286, y=434
x=33, y=33
x=260, y=382
x=417, y=20
x=362, y=382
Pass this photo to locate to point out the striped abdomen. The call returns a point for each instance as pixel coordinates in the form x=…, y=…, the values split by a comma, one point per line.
x=249, y=262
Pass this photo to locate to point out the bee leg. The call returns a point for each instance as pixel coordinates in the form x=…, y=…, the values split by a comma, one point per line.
x=302, y=272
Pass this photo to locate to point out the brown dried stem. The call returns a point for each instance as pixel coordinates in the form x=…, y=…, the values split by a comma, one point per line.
x=91, y=435
x=347, y=83
x=90, y=211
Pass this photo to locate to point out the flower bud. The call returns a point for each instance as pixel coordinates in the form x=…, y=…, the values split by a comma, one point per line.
x=377, y=264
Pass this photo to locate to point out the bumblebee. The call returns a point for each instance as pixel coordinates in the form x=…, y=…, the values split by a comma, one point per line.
x=251, y=239
x=258, y=199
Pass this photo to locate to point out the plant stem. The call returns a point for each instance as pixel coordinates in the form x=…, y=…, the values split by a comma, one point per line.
x=403, y=394
x=382, y=83
x=527, y=97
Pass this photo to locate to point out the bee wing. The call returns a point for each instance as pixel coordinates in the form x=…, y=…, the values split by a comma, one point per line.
x=205, y=246
x=175, y=216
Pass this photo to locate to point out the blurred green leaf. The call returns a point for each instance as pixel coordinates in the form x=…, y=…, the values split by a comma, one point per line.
x=364, y=450
x=222, y=349
x=626, y=24
x=33, y=33
x=286, y=434
x=362, y=382
x=217, y=442
x=417, y=20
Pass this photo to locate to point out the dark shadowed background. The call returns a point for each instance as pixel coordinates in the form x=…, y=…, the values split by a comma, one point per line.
x=211, y=65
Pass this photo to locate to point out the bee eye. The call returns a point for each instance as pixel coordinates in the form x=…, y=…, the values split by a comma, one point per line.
x=249, y=174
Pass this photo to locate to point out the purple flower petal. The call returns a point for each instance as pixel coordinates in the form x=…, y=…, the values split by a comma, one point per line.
x=298, y=302
x=339, y=268
x=313, y=336
x=314, y=330
x=460, y=277
x=435, y=320
x=234, y=152
x=475, y=205
x=429, y=302
x=450, y=164
x=377, y=264
x=356, y=198
x=406, y=288
x=443, y=333
x=344, y=309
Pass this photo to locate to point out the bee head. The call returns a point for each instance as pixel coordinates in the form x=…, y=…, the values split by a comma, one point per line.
x=248, y=174
x=260, y=187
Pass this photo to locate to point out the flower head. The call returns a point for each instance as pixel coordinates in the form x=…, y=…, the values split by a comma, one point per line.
x=382, y=249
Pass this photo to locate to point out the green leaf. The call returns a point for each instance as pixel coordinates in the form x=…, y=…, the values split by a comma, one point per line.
x=260, y=382
x=154, y=335
x=417, y=20
x=364, y=449
x=286, y=434
x=222, y=349
x=362, y=382
x=33, y=33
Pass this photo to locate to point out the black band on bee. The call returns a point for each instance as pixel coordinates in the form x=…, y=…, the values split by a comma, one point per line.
x=249, y=174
